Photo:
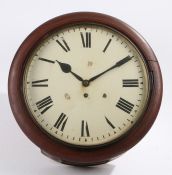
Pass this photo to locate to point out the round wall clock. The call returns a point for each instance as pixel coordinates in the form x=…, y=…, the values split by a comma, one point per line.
x=85, y=88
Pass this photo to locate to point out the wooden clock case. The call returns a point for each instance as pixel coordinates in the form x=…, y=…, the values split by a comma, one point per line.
x=66, y=153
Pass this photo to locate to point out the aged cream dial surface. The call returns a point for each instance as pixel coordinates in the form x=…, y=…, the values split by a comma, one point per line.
x=68, y=96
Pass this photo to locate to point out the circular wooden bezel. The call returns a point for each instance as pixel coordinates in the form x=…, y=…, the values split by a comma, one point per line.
x=63, y=152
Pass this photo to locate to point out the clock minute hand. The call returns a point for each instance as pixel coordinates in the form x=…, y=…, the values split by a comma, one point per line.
x=118, y=64
x=66, y=68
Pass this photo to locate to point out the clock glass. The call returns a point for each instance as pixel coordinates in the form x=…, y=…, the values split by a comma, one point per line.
x=86, y=85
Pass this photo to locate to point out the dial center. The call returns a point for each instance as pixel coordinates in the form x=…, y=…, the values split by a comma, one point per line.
x=85, y=83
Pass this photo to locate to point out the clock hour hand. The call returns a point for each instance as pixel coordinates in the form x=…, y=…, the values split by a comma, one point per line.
x=118, y=64
x=66, y=68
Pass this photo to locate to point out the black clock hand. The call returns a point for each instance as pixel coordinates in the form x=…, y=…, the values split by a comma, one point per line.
x=66, y=68
x=118, y=64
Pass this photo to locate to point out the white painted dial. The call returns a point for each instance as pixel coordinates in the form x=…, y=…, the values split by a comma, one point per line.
x=68, y=96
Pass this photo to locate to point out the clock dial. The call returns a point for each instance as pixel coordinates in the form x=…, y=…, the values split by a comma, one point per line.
x=86, y=85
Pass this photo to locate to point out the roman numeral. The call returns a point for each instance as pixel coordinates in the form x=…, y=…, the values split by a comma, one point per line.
x=61, y=122
x=130, y=83
x=110, y=124
x=86, y=41
x=63, y=45
x=84, y=129
x=125, y=105
x=40, y=83
x=107, y=45
x=44, y=104
x=46, y=60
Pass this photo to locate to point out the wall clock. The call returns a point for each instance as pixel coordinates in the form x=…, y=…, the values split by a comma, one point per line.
x=85, y=88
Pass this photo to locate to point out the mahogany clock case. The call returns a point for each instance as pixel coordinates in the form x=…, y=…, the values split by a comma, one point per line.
x=66, y=153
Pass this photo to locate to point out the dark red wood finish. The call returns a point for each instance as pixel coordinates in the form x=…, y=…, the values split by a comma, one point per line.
x=63, y=152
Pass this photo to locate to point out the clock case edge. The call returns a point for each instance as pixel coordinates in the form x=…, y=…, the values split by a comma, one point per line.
x=80, y=156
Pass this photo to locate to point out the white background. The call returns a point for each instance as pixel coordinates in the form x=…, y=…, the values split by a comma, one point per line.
x=152, y=19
